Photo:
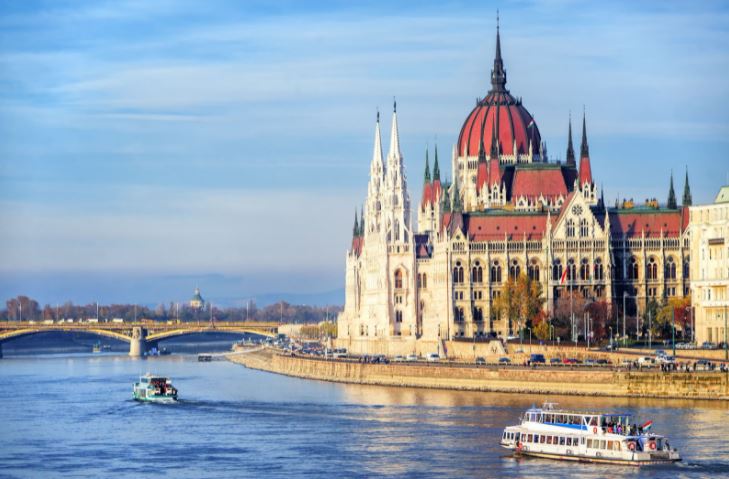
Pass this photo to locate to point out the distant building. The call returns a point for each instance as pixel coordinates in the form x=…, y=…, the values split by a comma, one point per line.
x=709, y=225
x=197, y=301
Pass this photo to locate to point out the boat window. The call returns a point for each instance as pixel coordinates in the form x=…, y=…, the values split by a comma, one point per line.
x=541, y=439
x=602, y=444
x=561, y=441
x=549, y=439
x=589, y=443
x=518, y=436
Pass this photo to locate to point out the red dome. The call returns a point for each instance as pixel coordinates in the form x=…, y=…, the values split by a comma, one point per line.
x=513, y=123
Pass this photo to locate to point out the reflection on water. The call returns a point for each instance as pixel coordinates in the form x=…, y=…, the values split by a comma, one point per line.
x=76, y=416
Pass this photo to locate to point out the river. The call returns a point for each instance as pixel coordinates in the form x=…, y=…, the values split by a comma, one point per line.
x=71, y=415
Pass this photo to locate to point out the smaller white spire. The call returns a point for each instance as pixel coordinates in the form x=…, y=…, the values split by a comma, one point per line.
x=378, y=167
x=394, y=135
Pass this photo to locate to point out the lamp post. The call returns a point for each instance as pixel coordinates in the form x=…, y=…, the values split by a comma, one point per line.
x=673, y=330
x=611, y=335
x=625, y=295
x=650, y=329
x=726, y=346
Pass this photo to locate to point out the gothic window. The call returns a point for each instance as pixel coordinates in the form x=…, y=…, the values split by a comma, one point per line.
x=571, y=269
x=584, y=269
x=651, y=270
x=670, y=268
x=633, y=268
x=397, y=230
x=477, y=273
x=584, y=229
x=598, y=269
x=398, y=316
x=458, y=313
x=425, y=280
x=686, y=268
x=557, y=270
x=514, y=270
x=495, y=272
x=398, y=279
x=458, y=273
x=570, y=228
x=478, y=314
x=534, y=270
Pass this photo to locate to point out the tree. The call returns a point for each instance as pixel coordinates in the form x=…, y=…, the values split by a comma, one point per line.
x=520, y=301
x=675, y=308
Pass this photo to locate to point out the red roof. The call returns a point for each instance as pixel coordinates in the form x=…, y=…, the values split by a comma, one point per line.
x=427, y=194
x=494, y=171
x=514, y=122
x=357, y=243
x=482, y=178
x=495, y=227
x=533, y=182
x=634, y=222
x=437, y=190
x=585, y=170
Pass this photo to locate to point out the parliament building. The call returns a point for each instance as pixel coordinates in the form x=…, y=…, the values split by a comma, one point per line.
x=508, y=209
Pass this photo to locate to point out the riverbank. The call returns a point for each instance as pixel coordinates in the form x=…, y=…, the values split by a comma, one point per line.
x=512, y=379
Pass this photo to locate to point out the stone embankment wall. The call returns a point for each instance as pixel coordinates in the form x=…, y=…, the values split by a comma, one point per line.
x=698, y=385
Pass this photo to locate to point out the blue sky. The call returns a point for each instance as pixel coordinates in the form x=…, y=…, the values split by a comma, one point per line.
x=146, y=147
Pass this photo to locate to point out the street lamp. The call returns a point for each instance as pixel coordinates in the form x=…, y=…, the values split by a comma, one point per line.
x=625, y=295
x=611, y=336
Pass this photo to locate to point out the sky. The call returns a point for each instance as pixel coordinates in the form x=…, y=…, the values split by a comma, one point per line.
x=150, y=147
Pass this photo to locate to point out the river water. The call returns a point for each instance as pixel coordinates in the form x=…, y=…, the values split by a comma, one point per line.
x=71, y=415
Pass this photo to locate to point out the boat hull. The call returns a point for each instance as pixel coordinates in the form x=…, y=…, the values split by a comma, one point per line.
x=156, y=399
x=596, y=460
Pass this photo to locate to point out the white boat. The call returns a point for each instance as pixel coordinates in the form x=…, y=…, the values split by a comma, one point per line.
x=158, y=389
x=612, y=438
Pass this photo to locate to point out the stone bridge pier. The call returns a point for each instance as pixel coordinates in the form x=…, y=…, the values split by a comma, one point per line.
x=138, y=344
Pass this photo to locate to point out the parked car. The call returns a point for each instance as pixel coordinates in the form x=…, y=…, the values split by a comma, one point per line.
x=667, y=360
x=646, y=361
x=590, y=362
x=504, y=360
x=570, y=361
x=660, y=353
x=610, y=347
x=603, y=361
x=411, y=358
x=432, y=358
x=708, y=345
x=626, y=362
x=703, y=364
x=537, y=359
x=555, y=361
x=480, y=361
x=399, y=359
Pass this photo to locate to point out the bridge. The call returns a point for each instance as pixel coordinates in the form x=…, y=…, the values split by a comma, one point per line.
x=141, y=336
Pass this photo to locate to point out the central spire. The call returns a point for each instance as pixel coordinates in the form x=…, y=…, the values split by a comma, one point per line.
x=498, y=74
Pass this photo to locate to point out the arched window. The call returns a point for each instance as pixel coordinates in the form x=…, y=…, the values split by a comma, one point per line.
x=398, y=279
x=458, y=313
x=598, y=269
x=478, y=314
x=514, y=269
x=397, y=230
x=458, y=273
x=633, y=268
x=570, y=228
x=584, y=228
x=557, y=270
x=534, y=270
x=571, y=269
x=425, y=280
x=584, y=269
x=477, y=273
x=686, y=268
x=670, y=268
x=495, y=272
x=398, y=316
x=651, y=269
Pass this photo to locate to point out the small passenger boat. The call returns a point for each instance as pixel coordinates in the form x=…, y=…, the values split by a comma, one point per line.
x=612, y=438
x=151, y=388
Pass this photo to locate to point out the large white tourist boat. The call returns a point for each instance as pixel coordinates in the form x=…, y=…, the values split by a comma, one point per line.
x=612, y=438
x=152, y=388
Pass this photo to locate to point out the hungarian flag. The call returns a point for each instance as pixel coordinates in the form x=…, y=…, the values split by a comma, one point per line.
x=647, y=425
x=563, y=279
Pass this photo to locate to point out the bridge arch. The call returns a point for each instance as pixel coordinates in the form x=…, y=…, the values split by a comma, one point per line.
x=19, y=333
x=173, y=333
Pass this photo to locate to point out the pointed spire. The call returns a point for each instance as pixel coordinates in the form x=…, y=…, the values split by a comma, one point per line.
x=427, y=167
x=584, y=149
x=436, y=168
x=355, y=230
x=377, y=153
x=481, y=152
x=394, y=135
x=457, y=205
x=570, y=148
x=671, y=203
x=686, y=201
x=498, y=74
x=361, y=221
x=494, y=153
x=446, y=201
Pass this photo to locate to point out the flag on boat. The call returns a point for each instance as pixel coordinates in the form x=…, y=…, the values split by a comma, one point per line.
x=563, y=279
x=647, y=425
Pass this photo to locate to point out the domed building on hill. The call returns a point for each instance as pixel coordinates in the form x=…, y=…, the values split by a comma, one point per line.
x=197, y=301
x=509, y=209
